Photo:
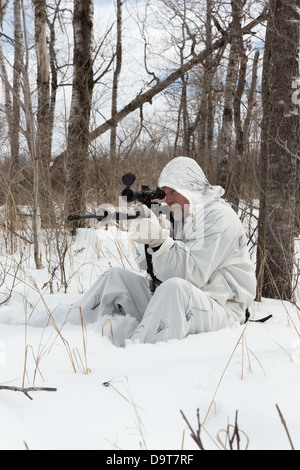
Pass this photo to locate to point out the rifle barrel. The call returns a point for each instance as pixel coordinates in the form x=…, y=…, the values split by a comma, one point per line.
x=74, y=217
x=117, y=216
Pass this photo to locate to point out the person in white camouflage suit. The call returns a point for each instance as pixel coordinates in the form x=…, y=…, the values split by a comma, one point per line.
x=206, y=274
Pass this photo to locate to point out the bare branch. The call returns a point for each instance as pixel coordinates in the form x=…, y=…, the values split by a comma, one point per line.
x=285, y=427
x=26, y=390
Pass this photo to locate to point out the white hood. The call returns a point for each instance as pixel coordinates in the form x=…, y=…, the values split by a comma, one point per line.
x=187, y=178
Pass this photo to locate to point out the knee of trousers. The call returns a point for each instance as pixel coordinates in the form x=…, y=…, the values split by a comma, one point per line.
x=115, y=272
x=174, y=285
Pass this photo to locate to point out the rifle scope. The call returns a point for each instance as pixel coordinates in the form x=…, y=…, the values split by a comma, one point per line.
x=145, y=195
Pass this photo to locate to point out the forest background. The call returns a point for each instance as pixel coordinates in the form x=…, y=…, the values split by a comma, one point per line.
x=91, y=90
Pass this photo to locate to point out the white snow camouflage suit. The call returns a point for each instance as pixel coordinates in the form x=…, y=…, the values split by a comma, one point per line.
x=207, y=275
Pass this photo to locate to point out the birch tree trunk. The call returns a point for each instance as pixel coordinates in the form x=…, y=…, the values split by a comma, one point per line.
x=82, y=91
x=280, y=131
x=114, y=101
x=44, y=127
x=251, y=100
x=32, y=147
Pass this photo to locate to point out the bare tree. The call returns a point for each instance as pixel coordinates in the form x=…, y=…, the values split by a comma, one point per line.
x=234, y=190
x=225, y=140
x=32, y=146
x=13, y=104
x=44, y=125
x=17, y=82
x=115, y=90
x=3, y=8
x=82, y=91
x=280, y=140
x=206, y=125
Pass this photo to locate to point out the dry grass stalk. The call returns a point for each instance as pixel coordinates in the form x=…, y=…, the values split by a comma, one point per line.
x=130, y=400
x=108, y=321
x=222, y=376
x=32, y=284
x=26, y=445
x=229, y=440
x=36, y=361
x=236, y=436
x=245, y=346
x=75, y=353
x=85, y=368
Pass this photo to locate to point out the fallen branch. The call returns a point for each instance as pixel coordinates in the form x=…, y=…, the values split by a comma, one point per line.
x=26, y=390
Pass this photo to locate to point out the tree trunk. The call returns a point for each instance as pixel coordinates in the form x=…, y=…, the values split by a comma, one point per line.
x=225, y=141
x=278, y=169
x=206, y=127
x=3, y=8
x=264, y=160
x=114, y=101
x=83, y=84
x=32, y=148
x=53, y=69
x=238, y=155
x=251, y=100
x=15, y=127
x=12, y=108
x=43, y=144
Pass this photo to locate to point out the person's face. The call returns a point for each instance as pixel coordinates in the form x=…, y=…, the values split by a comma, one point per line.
x=178, y=204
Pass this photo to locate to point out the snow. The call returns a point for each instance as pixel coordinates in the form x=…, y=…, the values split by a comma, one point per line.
x=126, y=395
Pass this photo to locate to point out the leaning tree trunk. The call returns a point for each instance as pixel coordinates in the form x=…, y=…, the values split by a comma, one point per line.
x=83, y=84
x=280, y=142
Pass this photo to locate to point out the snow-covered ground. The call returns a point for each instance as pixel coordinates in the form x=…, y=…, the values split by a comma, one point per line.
x=129, y=396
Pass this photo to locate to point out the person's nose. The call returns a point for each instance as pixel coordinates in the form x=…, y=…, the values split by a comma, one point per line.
x=169, y=199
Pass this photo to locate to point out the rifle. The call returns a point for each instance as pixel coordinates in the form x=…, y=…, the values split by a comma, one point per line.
x=144, y=196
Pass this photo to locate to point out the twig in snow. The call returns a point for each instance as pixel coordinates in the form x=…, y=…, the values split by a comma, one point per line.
x=285, y=426
x=195, y=434
x=26, y=390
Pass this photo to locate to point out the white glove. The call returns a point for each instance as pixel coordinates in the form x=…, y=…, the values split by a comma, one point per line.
x=147, y=230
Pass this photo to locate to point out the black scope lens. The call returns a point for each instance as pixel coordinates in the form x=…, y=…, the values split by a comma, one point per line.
x=160, y=193
x=128, y=194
